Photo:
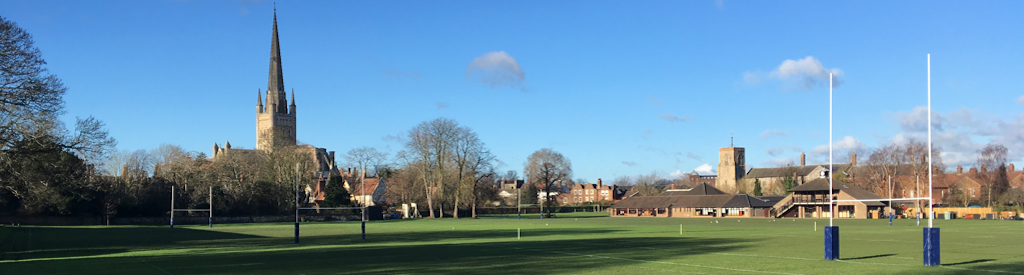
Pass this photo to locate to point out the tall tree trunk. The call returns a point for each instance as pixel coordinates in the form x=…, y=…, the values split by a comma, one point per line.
x=455, y=208
x=474, y=202
x=430, y=203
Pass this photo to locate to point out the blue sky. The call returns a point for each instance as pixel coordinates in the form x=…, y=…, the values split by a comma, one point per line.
x=620, y=88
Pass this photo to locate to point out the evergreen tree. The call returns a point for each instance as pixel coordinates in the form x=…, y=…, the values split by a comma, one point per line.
x=336, y=194
x=757, y=187
x=788, y=183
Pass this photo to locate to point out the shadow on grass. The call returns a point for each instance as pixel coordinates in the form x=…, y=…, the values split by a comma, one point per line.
x=429, y=252
x=966, y=268
x=503, y=257
x=971, y=262
x=444, y=235
x=31, y=242
x=869, y=257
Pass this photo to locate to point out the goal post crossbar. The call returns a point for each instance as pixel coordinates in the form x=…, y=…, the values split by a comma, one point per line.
x=903, y=199
x=191, y=210
x=327, y=208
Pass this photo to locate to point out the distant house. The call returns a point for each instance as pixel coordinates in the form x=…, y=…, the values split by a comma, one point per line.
x=370, y=193
x=771, y=179
x=700, y=201
x=591, y=193
x=811, y=200
x=509, y=192
x=1016, y=177
x=316, y=191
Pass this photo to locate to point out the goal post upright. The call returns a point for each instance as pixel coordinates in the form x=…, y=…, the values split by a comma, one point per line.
x=211, y=206
x=831, y=231
x=172, y=206
x=931, y=240
x=296, y=202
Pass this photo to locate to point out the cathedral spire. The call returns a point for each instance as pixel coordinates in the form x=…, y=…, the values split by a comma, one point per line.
x=292, y=106
x=275, y=82
x=259, y=101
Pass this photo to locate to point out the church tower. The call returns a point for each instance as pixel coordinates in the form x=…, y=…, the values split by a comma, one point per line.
x=731, y=168
x=275, y=121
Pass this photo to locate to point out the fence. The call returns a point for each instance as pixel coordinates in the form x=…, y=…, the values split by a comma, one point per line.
x=964, y=211
x=90, y=220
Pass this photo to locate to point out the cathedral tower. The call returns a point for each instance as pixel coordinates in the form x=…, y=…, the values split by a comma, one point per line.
x=275, y=121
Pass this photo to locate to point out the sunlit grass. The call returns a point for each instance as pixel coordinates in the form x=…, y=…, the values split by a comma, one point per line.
x=579, y=243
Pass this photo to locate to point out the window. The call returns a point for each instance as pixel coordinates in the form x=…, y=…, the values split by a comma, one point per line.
x=972, y=192
x=604, y=192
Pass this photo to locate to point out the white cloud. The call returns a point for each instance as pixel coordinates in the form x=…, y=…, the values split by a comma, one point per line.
x=846, y=143
x=961, y=134
x=673, y=118
x=397, y=138
x=693, y=156
x=769, y=133
x=841, y=150
x=751, y=78
x=629, y=163
x=917, y=120
x=779, y=162
x=675, y=174
x=654, y=101
x=779, y=150
x=705, y=169
x=496, y=69
x=1020, y=100
x=801, y=74
x=441, y=105
x=720, y=4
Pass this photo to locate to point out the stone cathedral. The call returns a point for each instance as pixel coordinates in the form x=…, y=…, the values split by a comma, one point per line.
x=275, y=121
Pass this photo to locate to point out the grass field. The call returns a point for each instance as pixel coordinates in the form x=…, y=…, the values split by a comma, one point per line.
x=579, y=243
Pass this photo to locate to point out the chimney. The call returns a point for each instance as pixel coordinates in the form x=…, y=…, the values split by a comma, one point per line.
x=983, y=169
x=972, y=171
x=803, y=159
x=853, y=159
x=923, y=160
x=599, y=179
x=959, y=170
x=1008, y=167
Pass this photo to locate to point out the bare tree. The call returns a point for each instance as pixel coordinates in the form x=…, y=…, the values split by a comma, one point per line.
x=449, y=159
x=884, y=163
x=545, y=167
x=30, y=97
x=647, y=184
x=989, y=158
x=512, y=175
x=622, y=181
x=471, y=162
x=31, y=100
x=366, y=158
